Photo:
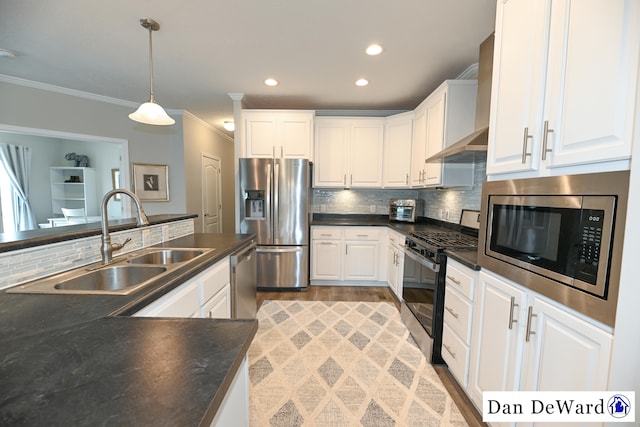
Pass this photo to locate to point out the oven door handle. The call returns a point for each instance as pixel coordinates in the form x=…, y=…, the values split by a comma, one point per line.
x=428, y=263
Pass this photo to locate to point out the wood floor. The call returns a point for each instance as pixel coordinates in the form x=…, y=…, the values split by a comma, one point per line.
x=376, y=294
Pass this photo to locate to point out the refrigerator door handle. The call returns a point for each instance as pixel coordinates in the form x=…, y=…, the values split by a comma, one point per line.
x=268, y=202
x=280, y=250
x=276, y=199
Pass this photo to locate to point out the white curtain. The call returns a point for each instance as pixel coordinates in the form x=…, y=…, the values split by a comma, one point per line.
x=16, y=161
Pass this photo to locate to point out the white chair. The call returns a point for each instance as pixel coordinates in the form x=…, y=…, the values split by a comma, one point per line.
x=74, y=216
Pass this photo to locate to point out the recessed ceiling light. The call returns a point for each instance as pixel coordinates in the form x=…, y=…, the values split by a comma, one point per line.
x=362, y=82
x=374, y=49
x=6, y=53
x=229, y=125
x=271, y=82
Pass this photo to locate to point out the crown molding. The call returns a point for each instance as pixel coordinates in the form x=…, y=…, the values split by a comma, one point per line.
x=66, y=91
x=208, y=125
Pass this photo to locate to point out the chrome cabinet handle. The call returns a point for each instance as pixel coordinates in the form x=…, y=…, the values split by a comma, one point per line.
x=453, y=279
x=449, y=351
x=524, y=145
x=545, y=134
x=406, y=180
x=530, y=316
x=511, y=309
x=453, y=313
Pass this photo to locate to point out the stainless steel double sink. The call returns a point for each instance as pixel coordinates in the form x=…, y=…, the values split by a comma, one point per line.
x=125, y=275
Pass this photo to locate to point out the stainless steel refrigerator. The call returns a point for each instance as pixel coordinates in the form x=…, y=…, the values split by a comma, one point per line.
x=274, y=205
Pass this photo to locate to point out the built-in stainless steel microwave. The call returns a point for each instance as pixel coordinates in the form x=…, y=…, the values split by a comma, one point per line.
x=561, y=236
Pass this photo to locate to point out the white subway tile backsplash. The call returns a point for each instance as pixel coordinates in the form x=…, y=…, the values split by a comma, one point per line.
x=24, y=265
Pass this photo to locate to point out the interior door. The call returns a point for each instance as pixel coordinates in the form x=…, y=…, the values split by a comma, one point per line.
x=211, y=192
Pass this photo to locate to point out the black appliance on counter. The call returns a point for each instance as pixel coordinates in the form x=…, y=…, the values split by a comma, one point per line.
x=424, y=274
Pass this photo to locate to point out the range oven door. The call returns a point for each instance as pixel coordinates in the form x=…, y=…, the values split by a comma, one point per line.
x=422, y=308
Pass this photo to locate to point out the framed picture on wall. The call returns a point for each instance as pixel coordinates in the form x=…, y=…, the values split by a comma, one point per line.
x=151, y=182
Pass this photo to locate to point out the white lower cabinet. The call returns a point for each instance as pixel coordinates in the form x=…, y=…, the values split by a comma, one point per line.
x=498, y=337
x=326, y=253
x=458, y=316
x=564, y=352
x=206, y=295
x=523, y=341
x=395, y=262
x=234, y=410
x=361, y=253
x=349, y=253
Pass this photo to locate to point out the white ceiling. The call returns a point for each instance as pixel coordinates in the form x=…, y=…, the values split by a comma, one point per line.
x=206, y=49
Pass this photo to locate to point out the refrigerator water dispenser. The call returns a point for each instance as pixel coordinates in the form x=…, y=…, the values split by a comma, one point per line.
x=254, y=204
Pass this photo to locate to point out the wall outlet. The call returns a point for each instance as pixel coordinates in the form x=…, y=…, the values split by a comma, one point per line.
x=444, y=213
x=372, y=208
x=323, y=208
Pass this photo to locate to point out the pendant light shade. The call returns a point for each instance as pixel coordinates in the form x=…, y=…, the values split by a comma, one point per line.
x=151, y=113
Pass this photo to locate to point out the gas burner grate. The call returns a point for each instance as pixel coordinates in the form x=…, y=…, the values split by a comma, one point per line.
x=446, y=240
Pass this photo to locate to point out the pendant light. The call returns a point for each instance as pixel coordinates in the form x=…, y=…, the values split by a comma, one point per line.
x=150, y=112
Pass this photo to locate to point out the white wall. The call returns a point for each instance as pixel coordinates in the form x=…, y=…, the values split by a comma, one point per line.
x=36, y=108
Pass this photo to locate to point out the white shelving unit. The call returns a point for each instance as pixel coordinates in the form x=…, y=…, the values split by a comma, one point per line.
x=73, y=195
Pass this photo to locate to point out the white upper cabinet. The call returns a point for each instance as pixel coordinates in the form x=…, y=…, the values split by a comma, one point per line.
x=285, y=134
x=445, y=117
x=348, y=152
x=419, y=146
x=565, y=78
x=397, y=151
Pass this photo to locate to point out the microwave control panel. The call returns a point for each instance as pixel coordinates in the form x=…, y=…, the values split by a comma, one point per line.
x=589, y=253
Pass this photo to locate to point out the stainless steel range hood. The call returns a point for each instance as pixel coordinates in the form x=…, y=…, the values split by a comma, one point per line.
x=469, y=148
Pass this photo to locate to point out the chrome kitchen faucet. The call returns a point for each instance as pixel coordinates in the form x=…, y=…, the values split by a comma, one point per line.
x=107, y=249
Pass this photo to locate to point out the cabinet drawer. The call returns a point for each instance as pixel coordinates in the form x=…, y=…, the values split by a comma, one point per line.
x=458, y=314
x=396, y=239
x=456, y=354
x=362, y=233
x=326, y=233
x=459, y=280
x=181, y=302
x=214, y=279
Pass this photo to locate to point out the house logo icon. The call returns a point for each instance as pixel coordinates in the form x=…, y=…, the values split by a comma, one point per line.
x=619, y=406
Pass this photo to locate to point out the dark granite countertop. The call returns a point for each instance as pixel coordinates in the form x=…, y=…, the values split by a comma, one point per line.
x=79, y=360
x=467, y=258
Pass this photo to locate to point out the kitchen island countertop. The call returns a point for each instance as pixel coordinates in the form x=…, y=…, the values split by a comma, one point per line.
x=79, y=360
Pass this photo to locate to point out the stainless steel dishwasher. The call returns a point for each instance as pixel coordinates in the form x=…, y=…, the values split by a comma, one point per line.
x=244, y=282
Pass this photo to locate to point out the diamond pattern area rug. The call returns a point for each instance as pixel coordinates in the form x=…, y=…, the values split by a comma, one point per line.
x=331, y=364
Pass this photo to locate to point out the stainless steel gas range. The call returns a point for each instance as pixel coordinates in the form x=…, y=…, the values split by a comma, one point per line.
x=424, y=283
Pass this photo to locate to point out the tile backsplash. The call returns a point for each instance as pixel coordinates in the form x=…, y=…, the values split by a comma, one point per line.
x=24, y=265
x=443, y=204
